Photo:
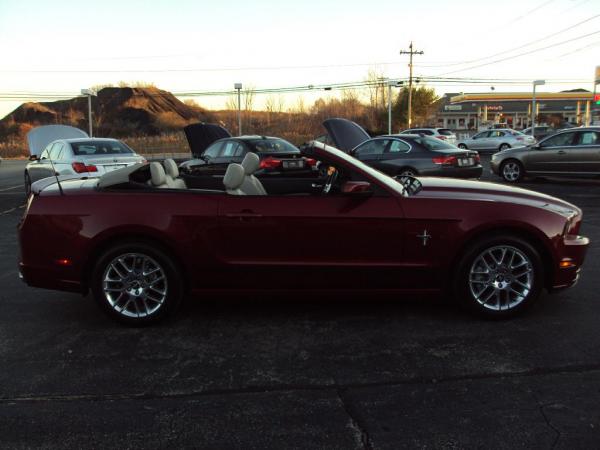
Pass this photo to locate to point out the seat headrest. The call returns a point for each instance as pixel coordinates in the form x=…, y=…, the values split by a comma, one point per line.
x=251, y=163
x=171, y=168
x=234, y=176
x=157, y=173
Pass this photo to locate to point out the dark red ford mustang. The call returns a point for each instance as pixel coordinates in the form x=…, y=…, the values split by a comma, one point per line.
x=141, y=246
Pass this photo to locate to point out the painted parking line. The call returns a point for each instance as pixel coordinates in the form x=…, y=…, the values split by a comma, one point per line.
x=8, y=211
x=11, y=188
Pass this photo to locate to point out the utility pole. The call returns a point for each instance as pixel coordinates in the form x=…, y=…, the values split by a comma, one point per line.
x=410, y=52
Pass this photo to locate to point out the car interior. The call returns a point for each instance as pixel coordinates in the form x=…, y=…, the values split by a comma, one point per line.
x=239, y=179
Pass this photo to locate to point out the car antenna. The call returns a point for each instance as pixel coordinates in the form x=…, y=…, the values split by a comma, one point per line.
x=60, y=189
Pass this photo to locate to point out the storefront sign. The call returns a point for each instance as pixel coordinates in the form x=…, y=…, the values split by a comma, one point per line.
x=453, y=107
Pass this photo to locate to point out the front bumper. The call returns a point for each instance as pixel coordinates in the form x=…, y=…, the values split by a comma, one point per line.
x=495, y=166
x=572, y=252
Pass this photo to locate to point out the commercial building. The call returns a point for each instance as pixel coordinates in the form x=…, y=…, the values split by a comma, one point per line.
x=459, y=111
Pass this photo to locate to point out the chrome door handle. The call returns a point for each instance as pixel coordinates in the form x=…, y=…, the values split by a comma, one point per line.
x=243, y=215
x=561, y=152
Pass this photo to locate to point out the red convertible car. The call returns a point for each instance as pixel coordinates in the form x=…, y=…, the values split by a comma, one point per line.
x=141, y=242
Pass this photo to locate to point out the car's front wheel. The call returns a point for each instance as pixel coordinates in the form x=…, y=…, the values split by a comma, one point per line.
x=499, y=277
x=503, y=147
x=463, y=146
x=136, y=283
x=512, y=171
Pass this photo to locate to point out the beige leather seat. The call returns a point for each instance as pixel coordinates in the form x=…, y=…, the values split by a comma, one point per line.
x=158, y=178
x=172, y=173
x=251, y=184
x=233, y=179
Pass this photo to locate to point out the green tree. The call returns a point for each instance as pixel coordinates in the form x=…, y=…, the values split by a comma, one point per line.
x=423, y=104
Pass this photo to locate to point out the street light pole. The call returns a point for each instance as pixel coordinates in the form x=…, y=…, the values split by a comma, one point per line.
x=535, y=83
x=238, y=86
x=89, y=93
x=390, y=84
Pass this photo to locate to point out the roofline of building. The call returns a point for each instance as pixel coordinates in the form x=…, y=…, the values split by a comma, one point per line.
x=521, y=96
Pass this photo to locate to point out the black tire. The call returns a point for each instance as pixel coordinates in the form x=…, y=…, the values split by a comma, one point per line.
x=503, y=147
x=408, y=171
x=463, y=146
x=27, y=181
x=146, y=287
x=470, y=266
x=512, y=171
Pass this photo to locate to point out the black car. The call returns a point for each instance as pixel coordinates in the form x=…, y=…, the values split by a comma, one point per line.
x=404, y=154
x=282, y=165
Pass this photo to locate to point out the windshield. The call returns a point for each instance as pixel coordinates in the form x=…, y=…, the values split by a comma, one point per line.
x=99, y=148
x=434, y=144
x=272, y=146
x=379, y=176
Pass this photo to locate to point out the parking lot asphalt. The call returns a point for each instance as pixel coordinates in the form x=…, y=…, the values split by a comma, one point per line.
x=312, y=373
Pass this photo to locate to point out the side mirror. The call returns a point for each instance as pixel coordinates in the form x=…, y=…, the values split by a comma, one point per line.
x=357, y=188
x=34, y=158
x=536, y=147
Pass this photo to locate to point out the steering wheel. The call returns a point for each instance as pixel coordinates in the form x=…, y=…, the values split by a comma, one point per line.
x=330, y=181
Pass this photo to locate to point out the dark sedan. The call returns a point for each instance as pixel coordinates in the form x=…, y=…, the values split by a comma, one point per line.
x=140, y=246
x=572, y=152
x=282, y=165
x=404, y=154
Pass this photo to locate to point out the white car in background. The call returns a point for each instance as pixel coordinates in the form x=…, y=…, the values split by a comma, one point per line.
x=64, y=150
x=441, y=133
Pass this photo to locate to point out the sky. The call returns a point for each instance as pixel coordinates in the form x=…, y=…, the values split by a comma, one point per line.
x=196, y=46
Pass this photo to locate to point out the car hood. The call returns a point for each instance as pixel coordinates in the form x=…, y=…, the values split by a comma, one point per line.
x=492, y=192
x=201, y=135
x=40, y=137
x=345, y=134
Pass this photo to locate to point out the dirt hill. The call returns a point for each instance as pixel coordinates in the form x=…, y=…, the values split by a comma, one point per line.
x=117, y=112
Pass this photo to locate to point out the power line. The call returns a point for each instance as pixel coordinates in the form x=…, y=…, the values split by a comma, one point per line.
x=522, y=54
x=516, y=48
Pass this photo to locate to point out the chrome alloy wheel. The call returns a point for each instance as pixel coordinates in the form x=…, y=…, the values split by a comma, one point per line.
x=134, y=285
x=511, y=171
x=501, y=277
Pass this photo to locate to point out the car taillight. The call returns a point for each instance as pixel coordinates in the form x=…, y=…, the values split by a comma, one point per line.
x=445, y=160
x=477, y=158
x=270, y=163
x=442, y=137
x=310, y=161
x=80, y=167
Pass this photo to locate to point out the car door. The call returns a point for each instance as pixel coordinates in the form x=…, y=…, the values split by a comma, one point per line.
x=399, y=154
x=552, y=154
x=371, y=152
x=478, y=141
x=311, y=241
x=585, y=155
x=58, y=155
x=43, y=167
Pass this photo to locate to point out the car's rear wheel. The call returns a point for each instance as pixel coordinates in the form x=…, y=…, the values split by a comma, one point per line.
x=499, y=277
x=504, y=147
x=407, y=172
x=27, y=184
x=136, y=284
x=512, y=171
x=463, y=146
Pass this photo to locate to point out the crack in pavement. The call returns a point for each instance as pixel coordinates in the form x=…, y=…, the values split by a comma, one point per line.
x=297, y=387
x=541, y=407
x=360, y=428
